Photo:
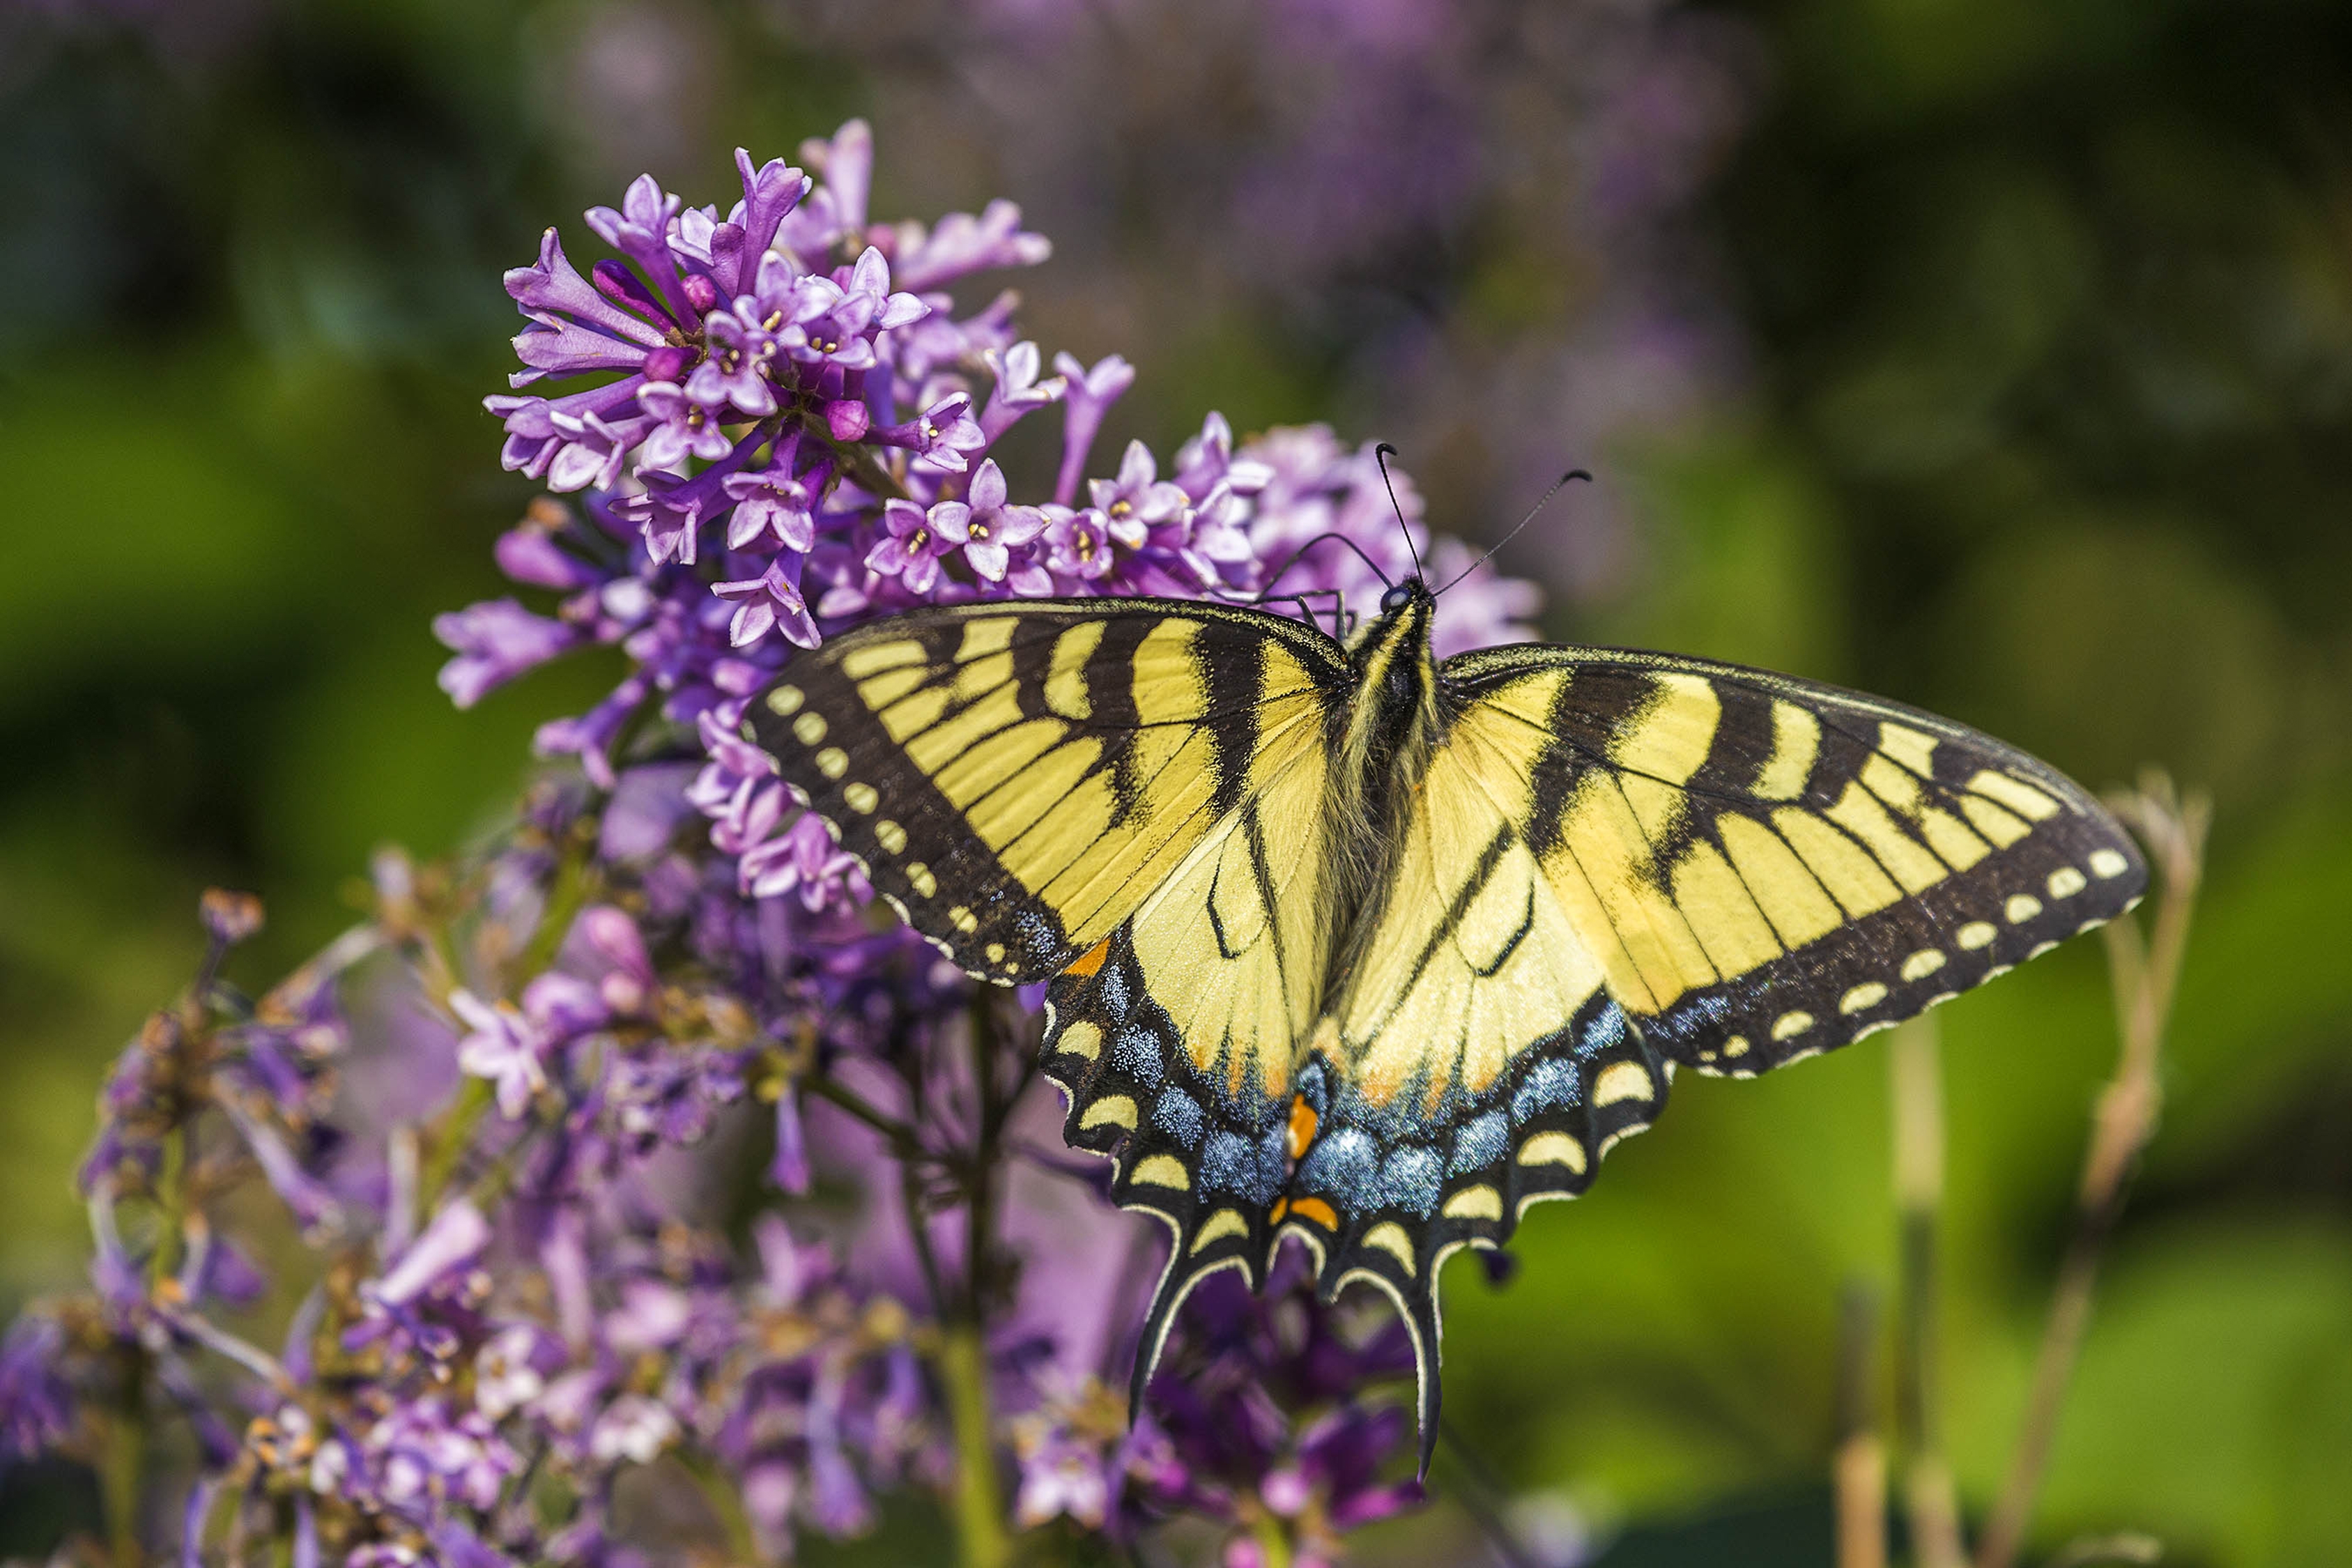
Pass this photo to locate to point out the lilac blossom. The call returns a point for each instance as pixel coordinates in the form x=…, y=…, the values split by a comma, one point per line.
x=992, y=530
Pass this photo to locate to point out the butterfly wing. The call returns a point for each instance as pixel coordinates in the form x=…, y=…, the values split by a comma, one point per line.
x=1127, y=796
x=1620, y=862
x=1018, y=778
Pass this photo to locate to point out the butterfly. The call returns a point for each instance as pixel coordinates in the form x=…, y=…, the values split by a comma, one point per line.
x=1347, y=943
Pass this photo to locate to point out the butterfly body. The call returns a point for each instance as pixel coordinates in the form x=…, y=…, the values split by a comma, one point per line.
x=1349, y=943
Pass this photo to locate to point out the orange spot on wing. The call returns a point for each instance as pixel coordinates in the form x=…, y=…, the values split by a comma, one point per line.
x=1318, y=1211
x=1086, y=962
x=1281, y=1207
x=1302, y=1127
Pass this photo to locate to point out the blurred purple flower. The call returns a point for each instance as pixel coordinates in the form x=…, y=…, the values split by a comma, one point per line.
x=496, y=641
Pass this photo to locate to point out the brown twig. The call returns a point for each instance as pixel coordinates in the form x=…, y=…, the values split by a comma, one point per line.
x=1860, y=1474
x=2146, y=974
x=1930, y=1504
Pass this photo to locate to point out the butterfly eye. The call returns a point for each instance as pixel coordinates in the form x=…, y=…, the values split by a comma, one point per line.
x=1396, y=599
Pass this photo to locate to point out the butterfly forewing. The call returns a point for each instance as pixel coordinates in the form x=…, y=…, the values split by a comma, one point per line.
x=1767, y=868
x=1018, y=778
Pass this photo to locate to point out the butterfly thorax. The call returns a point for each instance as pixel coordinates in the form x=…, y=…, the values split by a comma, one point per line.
x=1390, y=731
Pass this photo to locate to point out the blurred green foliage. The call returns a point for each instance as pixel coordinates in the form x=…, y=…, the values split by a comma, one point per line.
x=2048, y=318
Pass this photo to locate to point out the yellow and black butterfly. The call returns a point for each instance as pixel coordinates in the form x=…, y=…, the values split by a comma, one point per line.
x=1354, y=945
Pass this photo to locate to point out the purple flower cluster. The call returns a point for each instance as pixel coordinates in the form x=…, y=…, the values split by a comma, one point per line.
x=506, y=1114
x=1257, y=1422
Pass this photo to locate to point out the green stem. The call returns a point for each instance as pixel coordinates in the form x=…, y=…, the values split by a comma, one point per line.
x=963, y=1354
x=903, y=1141
x=720, y=1494
x=171, y=1198
x=126, y=1461
x=449, y=1145
x=576, y=881
x=980, y=1512
x=1274, y=1547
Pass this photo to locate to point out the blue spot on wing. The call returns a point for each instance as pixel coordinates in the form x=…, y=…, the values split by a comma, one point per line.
x=1180, y=1116
x=1604, y=1029
x=1342, y=1162
x=1480, y=1143
x=1110, y=988
x=1552, y=1085
x=1233, y=1164
x=1135, y=1051
x=1410, y=1181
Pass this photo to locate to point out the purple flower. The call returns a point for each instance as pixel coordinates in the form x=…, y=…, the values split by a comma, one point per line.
x=992, y=529
x=640, y=230
x=688, y=423
x=502, y=1046
x=838, y=215
x=941, y=436
x=736, y=355
x=740, y=246
x=633, y=1429
x=1138, y=502
x=511, y=1369
x=837, y=316
x=509, y=1046
x=769, y=602
x=960, y=244
x=36, y=1403
x=803, y=858
x=494, y=641
x=574, y=327
x=914, y=539
x=451, y=1243
x=1017, y=389
x=776, y=503
x=1088, y=396
x=1078, y=546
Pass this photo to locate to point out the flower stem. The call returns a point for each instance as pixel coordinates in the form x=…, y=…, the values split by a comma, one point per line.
x=902, y=1137
x=1273, y=1546
x=1928, y=1497
x=979, y=1510
x=963, y=1350
x=171, y=1198
x=450, y=1144
x=1859, y=1475
x=2146, y=974
x=126, y=1463
x=718, y=1490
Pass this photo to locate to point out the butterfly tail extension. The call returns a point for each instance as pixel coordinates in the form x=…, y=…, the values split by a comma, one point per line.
x=1384, y=1192
x=1197, y=1151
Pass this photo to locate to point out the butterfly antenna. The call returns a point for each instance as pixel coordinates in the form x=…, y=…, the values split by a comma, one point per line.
x=1381, y=455
x=1555, y=484
x=1284, y=569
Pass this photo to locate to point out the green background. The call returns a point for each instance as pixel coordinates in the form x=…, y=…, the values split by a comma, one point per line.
x=2043, y=318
